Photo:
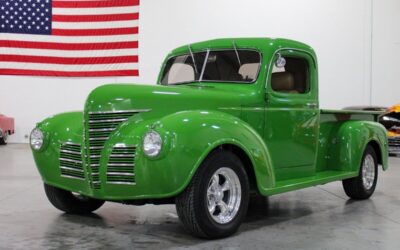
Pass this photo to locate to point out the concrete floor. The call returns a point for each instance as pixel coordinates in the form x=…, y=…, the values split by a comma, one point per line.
x=315, y=218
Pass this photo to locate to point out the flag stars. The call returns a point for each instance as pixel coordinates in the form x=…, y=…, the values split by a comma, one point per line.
x=25, y=16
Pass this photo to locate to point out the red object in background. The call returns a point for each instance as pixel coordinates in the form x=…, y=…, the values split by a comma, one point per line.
x=6, y=128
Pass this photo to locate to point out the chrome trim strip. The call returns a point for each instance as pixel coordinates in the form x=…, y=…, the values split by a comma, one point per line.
x=121, y=183
x=127, y=155
x=120, y=173
x=120, y=164
x=94, y=156
x=95, y=165
x=96, y=147
x=69, y=160
x=71, y=143
x=120, y=111
x=98, y=139
x=72, y=177
x=70, y=152
x=117, y=146
x=101, y=129
x=72, y=169
x=109, y=120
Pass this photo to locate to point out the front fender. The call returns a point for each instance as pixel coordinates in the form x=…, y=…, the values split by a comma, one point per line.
x=351, y=141
x=188, y=136
x=59, y=129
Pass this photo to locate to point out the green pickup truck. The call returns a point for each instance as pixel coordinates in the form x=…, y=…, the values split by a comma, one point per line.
x=228, y=118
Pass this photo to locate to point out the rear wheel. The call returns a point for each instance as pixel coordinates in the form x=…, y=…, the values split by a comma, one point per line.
x=363, y=186
x=215, y=202
x=4, y=138
x=71, y=203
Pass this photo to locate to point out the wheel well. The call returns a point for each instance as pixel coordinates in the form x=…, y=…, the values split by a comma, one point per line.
x=248, y=165
x=377, y=150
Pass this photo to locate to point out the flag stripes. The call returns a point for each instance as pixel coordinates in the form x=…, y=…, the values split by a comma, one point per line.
x=88, y=38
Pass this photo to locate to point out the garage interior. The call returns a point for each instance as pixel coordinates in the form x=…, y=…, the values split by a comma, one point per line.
x=358, y=46
x=321, y=217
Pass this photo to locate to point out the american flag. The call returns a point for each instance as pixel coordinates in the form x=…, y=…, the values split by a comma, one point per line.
x=69, y=38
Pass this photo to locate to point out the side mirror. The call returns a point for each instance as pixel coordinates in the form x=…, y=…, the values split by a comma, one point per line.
x=280, y=61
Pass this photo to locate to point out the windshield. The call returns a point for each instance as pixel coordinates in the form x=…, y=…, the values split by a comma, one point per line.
x=240, y=66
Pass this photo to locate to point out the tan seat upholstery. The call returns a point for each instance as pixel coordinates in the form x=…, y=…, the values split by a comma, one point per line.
x=283, y=82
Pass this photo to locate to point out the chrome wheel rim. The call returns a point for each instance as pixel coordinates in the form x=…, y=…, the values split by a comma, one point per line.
x=368, y=172
x=224, y=195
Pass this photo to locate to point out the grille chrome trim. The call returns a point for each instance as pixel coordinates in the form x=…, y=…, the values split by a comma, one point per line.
x=71, y=177
x=70, y=166
x=101, y=129
x=109, y=120
x=70, y=152
x=122, y=155
x=98, y=139
x=120, y=173
x=120, y=111
x=72, y=169
x=69, y=160
x=99, y=126
x=121, y=183
x=121, y=165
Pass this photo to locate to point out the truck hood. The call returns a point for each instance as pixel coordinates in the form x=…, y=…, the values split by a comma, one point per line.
x=162, y=100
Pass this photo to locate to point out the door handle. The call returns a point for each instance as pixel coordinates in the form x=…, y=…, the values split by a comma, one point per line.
x=311, y=105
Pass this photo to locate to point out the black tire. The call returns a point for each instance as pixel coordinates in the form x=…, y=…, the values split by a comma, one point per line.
x=69, y=203
x=3, y=139
x=192, y=204
x=355, y=187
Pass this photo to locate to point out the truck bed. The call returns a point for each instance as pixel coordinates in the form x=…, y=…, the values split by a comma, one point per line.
x=351, y=114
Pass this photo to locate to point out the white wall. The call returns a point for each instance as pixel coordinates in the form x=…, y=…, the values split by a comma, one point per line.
x=386, y=52
x=339, y=30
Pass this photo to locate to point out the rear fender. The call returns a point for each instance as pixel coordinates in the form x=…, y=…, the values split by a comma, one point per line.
x=351, y=141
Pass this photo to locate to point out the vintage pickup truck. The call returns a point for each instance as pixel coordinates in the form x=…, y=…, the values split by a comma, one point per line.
x=228, y=118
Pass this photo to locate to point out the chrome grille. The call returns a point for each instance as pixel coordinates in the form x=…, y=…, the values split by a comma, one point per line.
x=394, y=145
x=71, y=161
x=394, y=141
x=100, y=126
x=121, y=165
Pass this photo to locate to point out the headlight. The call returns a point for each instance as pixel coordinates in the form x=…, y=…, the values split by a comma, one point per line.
x=36, y=139
x=152, y=143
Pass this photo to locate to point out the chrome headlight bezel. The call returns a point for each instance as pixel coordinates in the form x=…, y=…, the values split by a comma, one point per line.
x=36, y=139
x=152, y=144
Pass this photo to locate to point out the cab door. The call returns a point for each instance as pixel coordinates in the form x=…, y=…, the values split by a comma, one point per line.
x=292, y=114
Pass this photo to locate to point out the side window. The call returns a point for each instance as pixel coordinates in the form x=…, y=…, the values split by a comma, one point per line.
x=293, y=77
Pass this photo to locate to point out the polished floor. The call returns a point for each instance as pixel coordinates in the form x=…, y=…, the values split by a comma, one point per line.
x=315, y=218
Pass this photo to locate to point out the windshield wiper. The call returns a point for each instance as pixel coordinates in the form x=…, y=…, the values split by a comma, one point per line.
x=194, y=61
x=237, y=53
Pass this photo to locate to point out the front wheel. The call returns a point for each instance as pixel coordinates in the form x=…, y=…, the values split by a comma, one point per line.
x=4, y=138
x=363, y=186
x=71, y=203
x=215, y=202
